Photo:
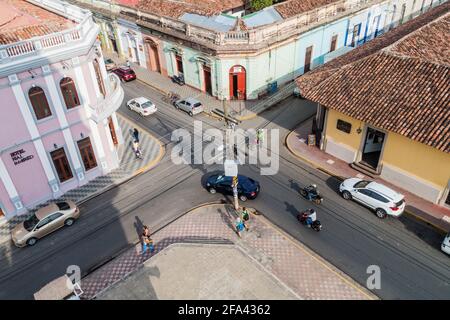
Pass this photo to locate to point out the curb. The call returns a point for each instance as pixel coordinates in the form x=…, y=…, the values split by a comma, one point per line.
x=134, y=244
x=162, y=149
x=144, y=169
x=244, y=118
x=319, y=167
x=346, y=278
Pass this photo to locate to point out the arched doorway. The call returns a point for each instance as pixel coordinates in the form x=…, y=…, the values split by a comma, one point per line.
x=237, y=83
x=152, y=55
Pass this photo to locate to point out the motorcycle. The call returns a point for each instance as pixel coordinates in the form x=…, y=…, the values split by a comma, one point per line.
x=315, y=225
x=178, y=79
x=311, y=194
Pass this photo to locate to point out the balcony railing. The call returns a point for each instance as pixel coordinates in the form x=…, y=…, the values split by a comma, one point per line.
x=263, y=34
x=105, y=107
x=37, y=45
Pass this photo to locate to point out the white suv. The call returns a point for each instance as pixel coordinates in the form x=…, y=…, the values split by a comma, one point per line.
x=378, y=197
x=445, y=246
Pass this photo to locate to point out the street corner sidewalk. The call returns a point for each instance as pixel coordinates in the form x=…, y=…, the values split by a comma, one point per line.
x=292, y=265
x=152, y=148
x=153, y=151
x=296, y=143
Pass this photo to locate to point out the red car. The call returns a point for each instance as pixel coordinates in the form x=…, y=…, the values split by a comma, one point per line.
x=125, y=73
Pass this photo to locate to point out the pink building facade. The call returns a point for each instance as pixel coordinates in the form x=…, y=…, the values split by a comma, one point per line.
x=58, y=105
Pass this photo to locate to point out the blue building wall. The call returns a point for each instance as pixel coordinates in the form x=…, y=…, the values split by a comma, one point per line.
x=283, y=62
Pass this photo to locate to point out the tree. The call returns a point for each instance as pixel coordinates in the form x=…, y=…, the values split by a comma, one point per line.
x=260, y=4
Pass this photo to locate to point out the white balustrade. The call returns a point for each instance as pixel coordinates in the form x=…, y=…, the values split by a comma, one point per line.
x=38, y=44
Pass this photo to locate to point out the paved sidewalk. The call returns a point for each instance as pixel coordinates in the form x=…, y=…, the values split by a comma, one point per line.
x=241, y=110
x=295, y=266
x=152, y=151
x=422, y=209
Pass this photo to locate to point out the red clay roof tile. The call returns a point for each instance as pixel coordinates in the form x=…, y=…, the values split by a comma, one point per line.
x=398, y=82
x=21, y=20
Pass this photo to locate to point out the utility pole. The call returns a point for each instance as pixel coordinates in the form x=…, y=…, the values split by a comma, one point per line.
x=225, y=107
x=235, y=193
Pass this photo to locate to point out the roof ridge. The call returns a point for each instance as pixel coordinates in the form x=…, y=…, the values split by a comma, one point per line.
x=390, y=48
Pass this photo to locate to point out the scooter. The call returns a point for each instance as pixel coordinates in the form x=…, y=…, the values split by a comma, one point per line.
x=303, y=216
x=178, y=79
x=311, y=194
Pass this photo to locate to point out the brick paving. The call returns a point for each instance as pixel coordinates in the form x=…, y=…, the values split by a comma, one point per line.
x=421, y=208
x=129, y=165
x=309, y=276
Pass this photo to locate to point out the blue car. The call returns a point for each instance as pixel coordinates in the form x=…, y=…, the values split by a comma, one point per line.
x=247, y=187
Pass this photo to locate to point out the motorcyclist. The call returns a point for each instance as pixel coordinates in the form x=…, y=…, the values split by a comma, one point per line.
x=312, y=191
x=311, y=216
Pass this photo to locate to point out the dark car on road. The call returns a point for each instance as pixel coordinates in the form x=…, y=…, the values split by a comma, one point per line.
x=247, y=187
x=125, y=73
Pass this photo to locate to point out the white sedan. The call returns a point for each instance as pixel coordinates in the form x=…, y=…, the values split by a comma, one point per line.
x=142, y=105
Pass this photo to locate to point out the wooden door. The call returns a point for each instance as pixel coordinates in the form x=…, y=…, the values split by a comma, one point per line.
x=112, y=130
x=238, y=80
x=308, y=56
x=207, y=79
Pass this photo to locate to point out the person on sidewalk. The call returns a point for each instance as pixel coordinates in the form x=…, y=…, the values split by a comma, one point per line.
x=136, y=149
x=136, y=134
x=259, y=136
x=245, y=218
x=147, y=242
x=239, y=226
x=128, y=63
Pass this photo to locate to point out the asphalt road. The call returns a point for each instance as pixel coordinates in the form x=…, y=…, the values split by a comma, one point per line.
x=407, y=251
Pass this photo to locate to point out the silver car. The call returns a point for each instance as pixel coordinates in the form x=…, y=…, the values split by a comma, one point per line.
x=44, y=221
x=189, y=105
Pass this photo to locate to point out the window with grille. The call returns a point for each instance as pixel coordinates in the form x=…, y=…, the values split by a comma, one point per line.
x=39, y=103
x=87, y=154
x=61, y=164
x=69, y=92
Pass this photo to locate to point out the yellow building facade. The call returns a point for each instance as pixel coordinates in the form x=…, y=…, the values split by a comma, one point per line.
x=411, y=165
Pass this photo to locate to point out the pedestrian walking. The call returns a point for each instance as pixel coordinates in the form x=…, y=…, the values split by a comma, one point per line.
x=147, y=242
x=259, y=136
x=136, y=134
x=239, y=226
x=245, y=218
x=128, y=63
x=136, y=149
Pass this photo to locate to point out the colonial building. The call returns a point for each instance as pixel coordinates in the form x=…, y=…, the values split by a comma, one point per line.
x=385, y=106
x=57, y=117
x=224, y=50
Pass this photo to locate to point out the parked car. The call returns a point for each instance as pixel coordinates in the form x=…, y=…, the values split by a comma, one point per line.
x=445, y=246
x=189, y=105
x=142, y=105
x=109, y=64
x=125, y=73
x=247, y=187
x=376, y=196
x=45, y=221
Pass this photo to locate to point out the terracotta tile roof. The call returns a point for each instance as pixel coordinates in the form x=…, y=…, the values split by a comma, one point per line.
x=398, y=82
x=176, y=8
x=21, y=20
x=291, y=8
